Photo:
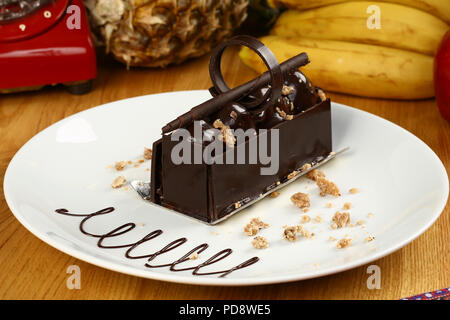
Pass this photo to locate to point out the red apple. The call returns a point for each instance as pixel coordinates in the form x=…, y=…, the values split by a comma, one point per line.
x=442, y=76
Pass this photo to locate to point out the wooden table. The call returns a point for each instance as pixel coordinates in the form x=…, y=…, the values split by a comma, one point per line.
x=31, y=269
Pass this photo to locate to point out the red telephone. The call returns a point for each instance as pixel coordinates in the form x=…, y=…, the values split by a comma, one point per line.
x=45, y=42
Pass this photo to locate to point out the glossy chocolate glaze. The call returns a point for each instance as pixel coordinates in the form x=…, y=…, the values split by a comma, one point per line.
x=127, y=227
x=211, y=191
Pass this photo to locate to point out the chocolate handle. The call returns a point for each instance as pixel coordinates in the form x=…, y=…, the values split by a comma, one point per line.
x=276, y=76
x=234, y=94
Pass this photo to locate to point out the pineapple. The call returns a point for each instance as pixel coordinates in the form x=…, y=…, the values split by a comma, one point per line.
x=155, y=33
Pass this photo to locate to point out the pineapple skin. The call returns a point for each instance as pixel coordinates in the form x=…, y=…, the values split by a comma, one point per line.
x=156, y=33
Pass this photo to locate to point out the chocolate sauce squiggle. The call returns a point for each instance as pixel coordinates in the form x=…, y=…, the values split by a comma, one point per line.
x=127, y=227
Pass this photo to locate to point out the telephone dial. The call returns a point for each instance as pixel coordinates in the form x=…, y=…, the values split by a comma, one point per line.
x=45, y=42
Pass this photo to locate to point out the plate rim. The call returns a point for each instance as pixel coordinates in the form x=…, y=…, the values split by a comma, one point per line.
x=210, y=281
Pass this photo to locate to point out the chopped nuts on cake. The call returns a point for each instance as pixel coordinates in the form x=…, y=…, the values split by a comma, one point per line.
x=119, y=182
x=327, y=187
x=301, y=200
x=306, y=166
x=227, y=135
x=284, y=115
x=287, y=90
x=274, y=194
x=260, y=242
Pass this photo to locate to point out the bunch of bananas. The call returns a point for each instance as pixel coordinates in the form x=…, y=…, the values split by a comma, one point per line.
x=380, y=49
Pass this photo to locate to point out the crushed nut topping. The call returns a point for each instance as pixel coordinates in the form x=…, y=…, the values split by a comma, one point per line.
x=344, y=243
x=347, y=206
x=353, y=190
x=301, y=200
x=120, y=165
x=274, y=194
x=306, y=234
x=118, y=182
x=254, y=226
x=237, y=205
x=321, y=95
x=341, y=219
x=260, y=242
x=227, y=135
x=287, y=90
x=369, y=238
x=292, y=174
x=318, y=219
x=306, y=166
x=327, y=187
x=284, y=115
x=233, y=115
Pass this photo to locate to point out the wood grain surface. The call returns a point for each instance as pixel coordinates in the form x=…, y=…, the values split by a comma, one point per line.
x=31, y=269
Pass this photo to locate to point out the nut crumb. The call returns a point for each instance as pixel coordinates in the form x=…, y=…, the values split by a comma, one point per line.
x=274, y=194
x=305, y=219
x=233, y=115
x=347, y=206
x=290, y=233
x=344, y=243
x=287, y=90
x=148, y=153
x=118, y=182
x=120, y=165
x=194, y=256
x=369, y=215
x=306, y=166
x=141, y=160
x=327, y=187
x=332, y=238
x=329, y=205
x=341, y=219
x=136, y=165
x=369, y=239
x=360, y=222
x=318, y=219
x=227, y=135
x=254, y=226
x=353, y=190
x=292, y=174
x=130, y=162
x=260, y=242
x=321, y=95
x=237, y=205
x=278, y=183
x=284, y=115
x=306, y=234
x=315, y=174
x=301, y=200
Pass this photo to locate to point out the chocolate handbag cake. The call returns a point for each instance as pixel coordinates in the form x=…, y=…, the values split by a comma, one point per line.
x=243, y=143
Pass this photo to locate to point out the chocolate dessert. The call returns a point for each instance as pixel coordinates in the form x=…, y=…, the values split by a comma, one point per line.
x=290, y=120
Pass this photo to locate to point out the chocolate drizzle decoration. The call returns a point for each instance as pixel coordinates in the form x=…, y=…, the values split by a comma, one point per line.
x=127, y=227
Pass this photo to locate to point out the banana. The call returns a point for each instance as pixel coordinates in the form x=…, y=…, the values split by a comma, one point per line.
x=358, y=69
x=400, y=26
x=438, y=8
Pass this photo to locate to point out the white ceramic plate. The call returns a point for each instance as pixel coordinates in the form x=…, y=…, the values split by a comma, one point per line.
x=401, y=182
